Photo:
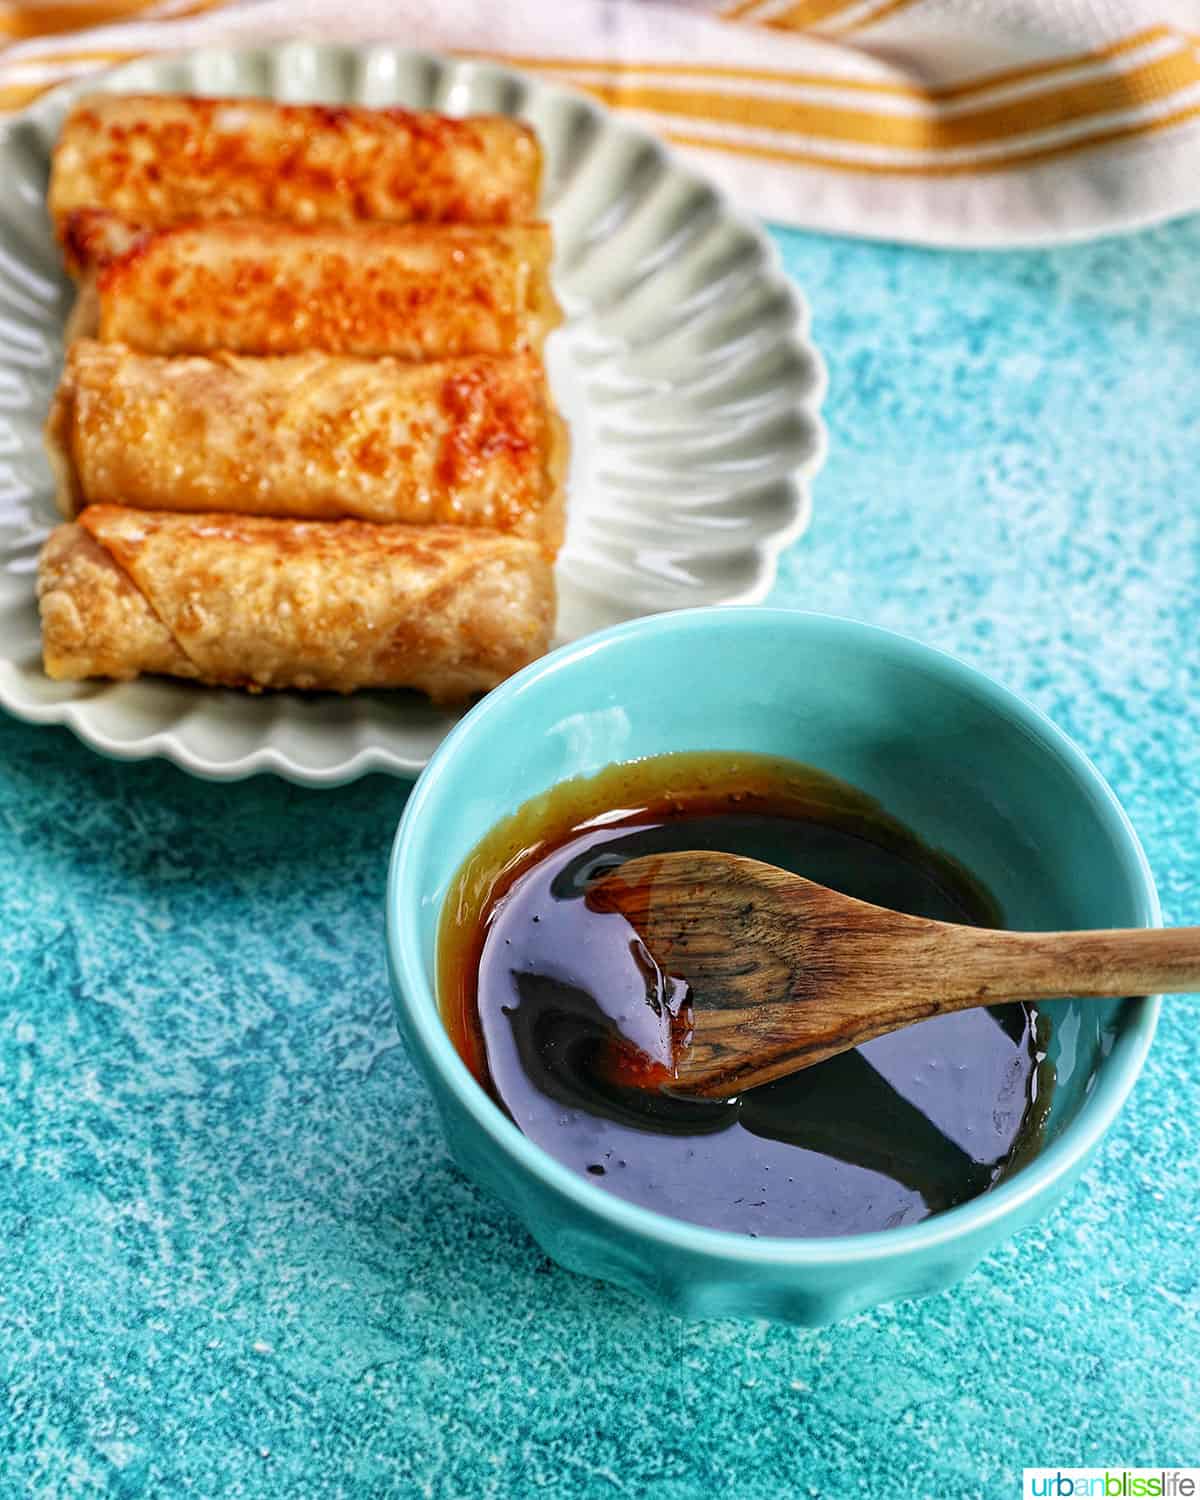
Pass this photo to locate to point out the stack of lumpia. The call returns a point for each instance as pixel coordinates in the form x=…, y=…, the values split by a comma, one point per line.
x=304, y=425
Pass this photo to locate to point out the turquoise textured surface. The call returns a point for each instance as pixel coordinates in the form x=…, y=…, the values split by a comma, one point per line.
x=234, y=1257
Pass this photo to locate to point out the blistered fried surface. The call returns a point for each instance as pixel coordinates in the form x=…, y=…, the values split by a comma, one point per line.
x=95, y=623
x=469, y=441
x=160, y=160
x=418, y=292
x=263, y=603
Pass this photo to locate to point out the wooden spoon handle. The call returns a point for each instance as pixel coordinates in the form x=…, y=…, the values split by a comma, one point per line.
x=893, y=971
x=978, y=967
x=783, y=973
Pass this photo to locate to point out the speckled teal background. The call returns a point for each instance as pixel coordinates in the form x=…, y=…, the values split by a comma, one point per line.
x=234, y=1259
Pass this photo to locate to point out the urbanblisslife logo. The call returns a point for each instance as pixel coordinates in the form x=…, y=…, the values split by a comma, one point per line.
x=1111, y=1484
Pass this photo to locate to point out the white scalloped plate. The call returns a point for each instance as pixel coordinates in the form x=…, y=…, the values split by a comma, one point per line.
x=684, y=370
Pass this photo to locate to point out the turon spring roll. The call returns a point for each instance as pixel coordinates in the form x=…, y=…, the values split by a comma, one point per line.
x=256, y=603
x=251, y=287
x=471, y=441
x=162, y=160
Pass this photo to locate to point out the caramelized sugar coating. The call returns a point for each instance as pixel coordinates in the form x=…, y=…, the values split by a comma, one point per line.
x=253, y=287
x=161, y=160
x=471, y=441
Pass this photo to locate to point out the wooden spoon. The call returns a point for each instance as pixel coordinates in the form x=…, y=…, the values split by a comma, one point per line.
x=784, y=973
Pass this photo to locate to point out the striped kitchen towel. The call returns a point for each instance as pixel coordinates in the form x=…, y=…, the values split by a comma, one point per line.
x=954, y=122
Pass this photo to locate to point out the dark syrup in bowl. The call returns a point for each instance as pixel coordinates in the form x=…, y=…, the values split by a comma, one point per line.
x=534, y=984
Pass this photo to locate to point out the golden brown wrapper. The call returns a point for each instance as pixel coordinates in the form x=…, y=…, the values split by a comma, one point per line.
x=158, y=160
x=260, y=603
x=91, y=237
x=471, y=441
x=95, y=623
x=251, y=287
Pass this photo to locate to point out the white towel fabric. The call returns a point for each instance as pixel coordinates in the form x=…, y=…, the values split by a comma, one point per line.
x=952, y=122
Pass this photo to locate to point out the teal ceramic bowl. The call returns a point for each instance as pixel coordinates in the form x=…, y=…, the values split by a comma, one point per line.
x=966, y=764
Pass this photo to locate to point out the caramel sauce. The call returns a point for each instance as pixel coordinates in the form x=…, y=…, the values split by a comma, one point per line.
x=534, y=986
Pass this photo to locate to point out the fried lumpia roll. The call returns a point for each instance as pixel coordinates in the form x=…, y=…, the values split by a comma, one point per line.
x=417, y=291
x=258, y=603
x=471, y=441
x=160, y=160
